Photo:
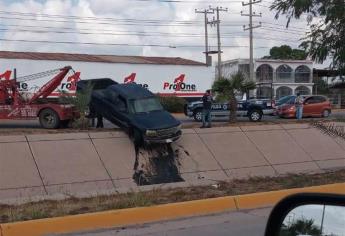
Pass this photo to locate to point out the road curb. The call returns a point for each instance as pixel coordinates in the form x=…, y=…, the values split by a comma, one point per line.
x=125, y=217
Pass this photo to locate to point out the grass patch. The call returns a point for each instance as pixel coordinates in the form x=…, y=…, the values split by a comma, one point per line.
x=73, y=205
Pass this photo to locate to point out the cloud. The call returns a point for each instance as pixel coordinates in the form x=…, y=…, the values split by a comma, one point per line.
x=271, y=34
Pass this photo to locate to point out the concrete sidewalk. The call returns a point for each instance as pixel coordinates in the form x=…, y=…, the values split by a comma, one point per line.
x=84, y=164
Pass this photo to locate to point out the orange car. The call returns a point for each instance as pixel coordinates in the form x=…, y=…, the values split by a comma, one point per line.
x=313, y=106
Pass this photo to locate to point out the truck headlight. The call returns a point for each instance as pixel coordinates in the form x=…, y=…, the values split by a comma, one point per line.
x=151, y=132
x=179, y=127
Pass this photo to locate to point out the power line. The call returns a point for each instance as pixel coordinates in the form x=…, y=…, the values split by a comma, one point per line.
x=118, y=44
x=124, y=20
x=93, y=18
x=283, y=30
x=117, y=32
x=173, y=35
x=185, y=24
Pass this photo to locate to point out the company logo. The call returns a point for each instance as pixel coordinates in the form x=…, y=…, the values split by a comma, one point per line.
x=71, y=84
x=179, y=84
x=6, y=75
x=131, y=79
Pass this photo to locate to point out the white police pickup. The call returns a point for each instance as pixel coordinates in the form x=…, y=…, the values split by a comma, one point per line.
x=254, y=109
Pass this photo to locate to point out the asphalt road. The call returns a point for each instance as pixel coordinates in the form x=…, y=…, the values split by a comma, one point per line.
x=243, y=223
x=185, y=120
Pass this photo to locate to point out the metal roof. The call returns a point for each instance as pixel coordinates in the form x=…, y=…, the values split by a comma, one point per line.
x=99, y=58
x=246, y=61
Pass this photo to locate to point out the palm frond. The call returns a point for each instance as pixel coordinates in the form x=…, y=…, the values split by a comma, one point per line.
x=248, y=85
x=237, y=80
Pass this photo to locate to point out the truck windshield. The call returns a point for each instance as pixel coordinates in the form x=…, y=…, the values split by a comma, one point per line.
x=146, y=105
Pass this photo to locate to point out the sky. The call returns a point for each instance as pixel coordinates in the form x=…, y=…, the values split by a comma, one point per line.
x=150, y=27
x=334, y=218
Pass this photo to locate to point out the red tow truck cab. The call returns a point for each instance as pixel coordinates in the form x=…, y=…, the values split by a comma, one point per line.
x=51, y=115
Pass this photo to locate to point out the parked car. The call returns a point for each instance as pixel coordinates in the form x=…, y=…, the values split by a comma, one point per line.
x=254, y=109
x=285, y=99
x=313, y=106
x=282, y=101
x=137, y=111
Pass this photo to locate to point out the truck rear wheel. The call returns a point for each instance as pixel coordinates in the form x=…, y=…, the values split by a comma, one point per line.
x=255, y=115
x=49, y=119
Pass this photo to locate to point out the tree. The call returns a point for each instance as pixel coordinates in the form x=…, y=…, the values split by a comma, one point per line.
x=81, y=102
x=285, y=52
x=301, y=226
x=226, y=89
x=326, y=37
x=320, y=86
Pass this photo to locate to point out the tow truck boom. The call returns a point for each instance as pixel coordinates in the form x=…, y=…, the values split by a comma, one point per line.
x=49, y=87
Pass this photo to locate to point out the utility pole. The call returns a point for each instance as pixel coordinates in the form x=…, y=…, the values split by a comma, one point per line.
x=217, y=21
x=323, y=217
x=250, y=28
x=205, y=12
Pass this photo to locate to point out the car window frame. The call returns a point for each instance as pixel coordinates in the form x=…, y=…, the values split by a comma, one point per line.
x=306, y=101
x=124, y=100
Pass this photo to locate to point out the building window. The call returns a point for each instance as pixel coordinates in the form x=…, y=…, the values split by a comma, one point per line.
x=302, y=74
x=303, y=90
x=284, y=72
x=283, y=91
x=264, y=92
x=264, y=73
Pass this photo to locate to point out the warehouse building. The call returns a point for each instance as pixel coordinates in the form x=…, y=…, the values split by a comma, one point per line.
x=167, y=76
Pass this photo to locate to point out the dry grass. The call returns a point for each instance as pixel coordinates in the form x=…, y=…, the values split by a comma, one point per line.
x=72, y=205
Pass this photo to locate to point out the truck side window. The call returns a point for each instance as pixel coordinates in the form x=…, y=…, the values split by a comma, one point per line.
x=121, y=104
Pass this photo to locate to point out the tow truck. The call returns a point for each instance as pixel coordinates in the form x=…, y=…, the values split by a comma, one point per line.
x=51, y=114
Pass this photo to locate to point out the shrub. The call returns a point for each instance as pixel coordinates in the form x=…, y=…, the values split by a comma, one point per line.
x=173, y=104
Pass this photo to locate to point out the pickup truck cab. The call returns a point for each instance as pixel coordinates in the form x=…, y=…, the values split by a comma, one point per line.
x=137, y=111
x=254, y=109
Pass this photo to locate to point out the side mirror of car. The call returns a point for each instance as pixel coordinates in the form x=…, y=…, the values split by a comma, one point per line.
x=308, y=214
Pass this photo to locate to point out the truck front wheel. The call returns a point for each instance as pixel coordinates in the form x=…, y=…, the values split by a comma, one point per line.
x=255, y=115
x=49, y=119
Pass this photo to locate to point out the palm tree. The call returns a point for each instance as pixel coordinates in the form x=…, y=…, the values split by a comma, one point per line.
x=226, y=89
x=301, y=226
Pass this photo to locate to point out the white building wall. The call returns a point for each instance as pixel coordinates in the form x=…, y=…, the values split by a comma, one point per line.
x=158, y=78
x=275, y=64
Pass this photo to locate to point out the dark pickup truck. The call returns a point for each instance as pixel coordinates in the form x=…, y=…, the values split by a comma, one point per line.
x=137, y=111
x=254, y=109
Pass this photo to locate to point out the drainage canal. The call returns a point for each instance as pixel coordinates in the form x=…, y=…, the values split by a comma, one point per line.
x=156, y=164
